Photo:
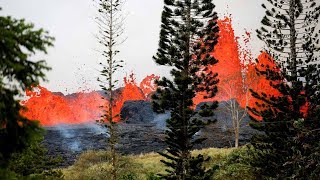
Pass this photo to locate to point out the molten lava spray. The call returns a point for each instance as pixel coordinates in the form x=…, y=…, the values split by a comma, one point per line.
x=56, y=108
x=147, y=85
x=228, y=67
x=236, y=72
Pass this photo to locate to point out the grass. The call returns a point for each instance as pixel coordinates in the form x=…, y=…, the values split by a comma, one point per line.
x=96, y=165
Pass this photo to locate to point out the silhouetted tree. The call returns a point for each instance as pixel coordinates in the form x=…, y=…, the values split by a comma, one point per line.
x=289, y=146
x=110, y=23
x=188, y=34
x=18, y=71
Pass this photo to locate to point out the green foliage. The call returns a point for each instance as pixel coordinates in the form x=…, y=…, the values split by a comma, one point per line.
x=18, y=72
x=48, y=175
x=128, y=177
x=32, y=164
x=188, y=35
x=33, y=160
x=153, y=176
x=288, y=146
x=8, y=175
x=110, y=23
x=236, y=165
x=98, y=165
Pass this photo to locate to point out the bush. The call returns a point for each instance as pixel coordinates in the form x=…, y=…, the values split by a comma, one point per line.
x=33, y=160
x=128, y=177
x=47, y=175
x=8, y=175
x=97, y=165
x=235, y=165
x=152, y=176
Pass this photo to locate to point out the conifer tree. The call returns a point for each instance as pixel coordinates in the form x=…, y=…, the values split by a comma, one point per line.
x=188, y=34
x=289, y=146
x=19, y=41
x=110, y=23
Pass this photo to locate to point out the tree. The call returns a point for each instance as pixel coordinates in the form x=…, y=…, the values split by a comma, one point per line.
x=18, y=42
x=110, y=23
x=34, y=161
x=290, y=122
x=188, y=35
x=232, y=107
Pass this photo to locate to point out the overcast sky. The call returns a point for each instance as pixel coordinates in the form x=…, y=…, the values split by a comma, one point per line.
x=74, y=58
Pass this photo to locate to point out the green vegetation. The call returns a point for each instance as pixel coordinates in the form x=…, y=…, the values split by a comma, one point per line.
x=227, y=163
x=33, y=160
x=18, y=72
x=21, y=155
x=110, y=23
x=32, y=163
x=289, y=146
x=188, y=34
x=98, y=165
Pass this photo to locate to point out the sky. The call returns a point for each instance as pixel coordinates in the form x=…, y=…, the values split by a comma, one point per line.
x=75, y=58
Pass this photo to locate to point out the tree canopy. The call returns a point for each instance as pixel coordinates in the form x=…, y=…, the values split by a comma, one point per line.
x=290, y=121
x=188, y=34
x=19, y=41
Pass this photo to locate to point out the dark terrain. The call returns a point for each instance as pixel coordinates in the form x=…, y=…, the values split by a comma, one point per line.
x=142, y=131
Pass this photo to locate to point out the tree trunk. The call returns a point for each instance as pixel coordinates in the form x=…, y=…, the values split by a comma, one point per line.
x=236, y=136
x=113, y=138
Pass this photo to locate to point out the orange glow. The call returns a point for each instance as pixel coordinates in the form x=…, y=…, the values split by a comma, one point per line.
x=229, y=66
x=236, y=72
x=56, y=108
x=130, y=92
x=257, y=83
x=236, y=69
x=148, y=86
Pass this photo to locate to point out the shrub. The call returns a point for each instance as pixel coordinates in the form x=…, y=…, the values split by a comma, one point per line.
x=97, y=165
x=152, y=176
x=33, y=160
x=235, y=165
x=8, y=175
x=128, y=177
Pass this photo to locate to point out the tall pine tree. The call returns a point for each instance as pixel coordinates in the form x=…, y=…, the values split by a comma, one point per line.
x=289, y=146
x=188, y=34
x=111, y=27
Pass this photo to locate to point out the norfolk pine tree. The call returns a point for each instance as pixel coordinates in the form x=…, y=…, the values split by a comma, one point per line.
x=289, y=147
x=188, y=35
x=110, y=23
x=18, y=71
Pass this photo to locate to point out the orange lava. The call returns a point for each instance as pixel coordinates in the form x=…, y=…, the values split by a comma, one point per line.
x=257, y=83
x=229, y=66
x=148, y=86
x=56, y=108
x=130, y=92
x=236, y=72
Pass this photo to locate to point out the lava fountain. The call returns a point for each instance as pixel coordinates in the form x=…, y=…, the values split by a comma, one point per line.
x=236, y=71
x=56, y=108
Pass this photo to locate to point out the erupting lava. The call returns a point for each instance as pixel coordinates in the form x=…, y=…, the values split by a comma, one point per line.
x=236, y=72
x=56, y=108
x=228, y=68
x=147, y=85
